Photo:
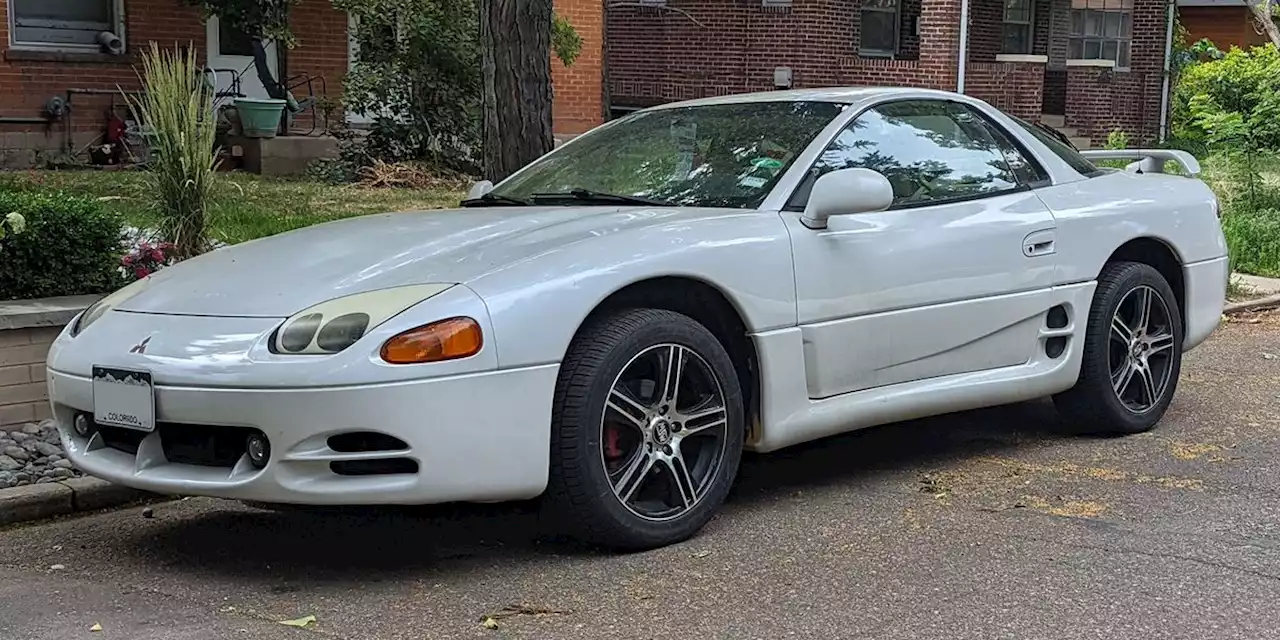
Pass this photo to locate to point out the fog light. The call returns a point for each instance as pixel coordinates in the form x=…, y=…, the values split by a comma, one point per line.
x=259, y=450
x=83, y=425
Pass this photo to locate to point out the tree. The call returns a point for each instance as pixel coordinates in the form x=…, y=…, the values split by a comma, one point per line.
x=515, y=42
x=1264, y=12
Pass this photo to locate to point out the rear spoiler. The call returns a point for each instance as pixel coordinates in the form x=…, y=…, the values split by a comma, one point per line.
x=1148, y=160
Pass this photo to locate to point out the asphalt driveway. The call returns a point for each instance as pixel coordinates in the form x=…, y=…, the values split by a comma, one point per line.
x=987, y=524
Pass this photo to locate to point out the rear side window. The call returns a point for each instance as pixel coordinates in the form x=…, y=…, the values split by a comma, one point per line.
x=1061, y=149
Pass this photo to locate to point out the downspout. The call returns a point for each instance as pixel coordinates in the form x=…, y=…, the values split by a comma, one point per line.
x=1164, y=90
x=964, y=45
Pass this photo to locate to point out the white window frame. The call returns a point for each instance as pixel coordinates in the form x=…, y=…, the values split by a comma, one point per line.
x=897, y=31
x=117, y=28
x=1101, y=8
x=1029, y=24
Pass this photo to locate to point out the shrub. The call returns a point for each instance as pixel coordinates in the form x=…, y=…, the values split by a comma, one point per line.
x=1231, y=100
x=177, y=109
x=1253, y=240
x=70, y=246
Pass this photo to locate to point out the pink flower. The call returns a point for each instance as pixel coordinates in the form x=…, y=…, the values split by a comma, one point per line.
x=141, y=272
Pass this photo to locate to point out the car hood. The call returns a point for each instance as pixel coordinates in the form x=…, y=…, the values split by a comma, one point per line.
x=280, y=275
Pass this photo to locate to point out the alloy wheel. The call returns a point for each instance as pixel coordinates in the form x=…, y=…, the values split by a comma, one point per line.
x=663, y=432
x=1140, y=349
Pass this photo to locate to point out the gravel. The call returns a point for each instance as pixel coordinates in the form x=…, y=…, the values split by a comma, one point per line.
x=33, y=455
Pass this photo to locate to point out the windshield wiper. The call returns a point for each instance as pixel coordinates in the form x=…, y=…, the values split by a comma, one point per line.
x=596, y=196
x=494, y=200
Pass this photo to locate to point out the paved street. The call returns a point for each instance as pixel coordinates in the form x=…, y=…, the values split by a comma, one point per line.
x=982, y=525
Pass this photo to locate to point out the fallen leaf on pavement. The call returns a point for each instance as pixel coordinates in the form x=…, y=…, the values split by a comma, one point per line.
x=96, y=627
x=488, y=622
x=299, y=622
x=700, y=554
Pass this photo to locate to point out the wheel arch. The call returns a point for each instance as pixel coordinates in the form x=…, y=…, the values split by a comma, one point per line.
x=709, y=305
x=1161, y=256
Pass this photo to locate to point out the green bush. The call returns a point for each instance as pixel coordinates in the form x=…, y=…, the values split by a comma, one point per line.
x=1253, y=239
x=70, y=246
x=1234, y=99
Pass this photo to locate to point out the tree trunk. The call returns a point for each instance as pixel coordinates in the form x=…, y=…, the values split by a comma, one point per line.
x=1261, y=10
x=515, y=36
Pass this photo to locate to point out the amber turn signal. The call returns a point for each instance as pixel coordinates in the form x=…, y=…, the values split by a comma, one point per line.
x=444, y=340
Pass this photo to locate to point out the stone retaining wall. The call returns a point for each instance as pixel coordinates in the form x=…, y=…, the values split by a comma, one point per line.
x=27, y=328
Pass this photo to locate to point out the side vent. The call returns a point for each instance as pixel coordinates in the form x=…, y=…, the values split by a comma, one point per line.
x=1057, y=317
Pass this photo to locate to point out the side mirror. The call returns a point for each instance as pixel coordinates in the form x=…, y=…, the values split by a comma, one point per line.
x=844, y=192
x=478, y=189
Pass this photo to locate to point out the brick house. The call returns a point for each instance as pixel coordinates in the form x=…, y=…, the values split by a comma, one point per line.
x=53, y=50
x=1088, y=66
x=1226, y=23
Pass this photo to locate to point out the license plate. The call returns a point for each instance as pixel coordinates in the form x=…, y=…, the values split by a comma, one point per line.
x=124, y=398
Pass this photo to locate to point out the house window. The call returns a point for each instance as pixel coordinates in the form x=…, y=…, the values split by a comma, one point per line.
x=63, y=24
x=1018, y=21
x=1101, y=30
x=879, y=28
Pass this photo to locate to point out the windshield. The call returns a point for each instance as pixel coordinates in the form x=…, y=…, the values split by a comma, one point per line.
x=726, y=155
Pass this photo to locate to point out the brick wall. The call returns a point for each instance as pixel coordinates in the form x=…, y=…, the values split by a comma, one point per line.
x=578, y=90
x=321, y=53
x=659, y=55
x=1098, y=101
x=1014, y=87
x=23, y=394
x=29, y=78
x=1225, y=26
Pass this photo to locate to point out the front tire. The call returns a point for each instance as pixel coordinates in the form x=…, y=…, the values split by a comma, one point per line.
x=647, y=430
x=1132, y=354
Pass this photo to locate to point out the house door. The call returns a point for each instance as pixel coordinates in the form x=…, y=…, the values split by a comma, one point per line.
x=231, y=54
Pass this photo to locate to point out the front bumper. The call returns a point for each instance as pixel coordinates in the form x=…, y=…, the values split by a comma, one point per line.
x=477, y=438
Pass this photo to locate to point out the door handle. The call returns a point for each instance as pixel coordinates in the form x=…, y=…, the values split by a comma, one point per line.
x=1038, y=244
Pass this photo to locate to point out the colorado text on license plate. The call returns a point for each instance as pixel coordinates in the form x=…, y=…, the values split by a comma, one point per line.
x=123, y=398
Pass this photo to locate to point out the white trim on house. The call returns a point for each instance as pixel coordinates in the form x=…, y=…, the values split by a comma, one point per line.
x=1022, y=57
x=1092, y=63
x=1211, y=3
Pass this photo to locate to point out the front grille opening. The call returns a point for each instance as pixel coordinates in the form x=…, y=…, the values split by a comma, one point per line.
x=121, y=439
x=357, y=441
x=203, y=445
x=384, y=467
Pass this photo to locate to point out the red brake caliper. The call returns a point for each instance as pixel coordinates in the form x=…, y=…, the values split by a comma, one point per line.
x=611, y=450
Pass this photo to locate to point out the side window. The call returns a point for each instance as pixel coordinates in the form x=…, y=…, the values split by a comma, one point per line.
x=931, y=151
x=1023, y=164
x=1061, y=149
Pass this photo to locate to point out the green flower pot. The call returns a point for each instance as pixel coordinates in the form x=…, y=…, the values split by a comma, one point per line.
x=259, y=117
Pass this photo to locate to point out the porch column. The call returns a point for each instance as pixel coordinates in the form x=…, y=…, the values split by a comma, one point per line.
x=940, y=43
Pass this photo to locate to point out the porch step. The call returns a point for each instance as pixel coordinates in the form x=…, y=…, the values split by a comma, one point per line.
x=1057, y=122
x=1081, y=143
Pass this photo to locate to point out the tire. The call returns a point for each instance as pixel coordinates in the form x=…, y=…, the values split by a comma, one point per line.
x=595, y=445
x=1094, y=405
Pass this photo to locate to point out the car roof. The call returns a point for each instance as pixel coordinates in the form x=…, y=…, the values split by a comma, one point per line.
x=842, y=95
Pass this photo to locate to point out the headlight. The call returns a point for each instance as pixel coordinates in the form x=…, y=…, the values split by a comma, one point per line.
x=334, y=325
x=101, y=307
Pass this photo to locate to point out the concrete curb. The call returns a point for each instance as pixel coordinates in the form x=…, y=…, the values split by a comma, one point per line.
x=1251, y=305
x=38, y=501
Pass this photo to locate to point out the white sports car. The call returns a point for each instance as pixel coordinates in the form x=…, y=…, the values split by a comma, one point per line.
x=613, y=325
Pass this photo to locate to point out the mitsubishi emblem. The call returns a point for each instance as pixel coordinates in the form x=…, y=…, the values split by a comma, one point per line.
x=141, y=347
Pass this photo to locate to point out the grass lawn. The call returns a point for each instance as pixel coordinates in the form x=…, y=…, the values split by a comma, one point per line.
x=245, y=206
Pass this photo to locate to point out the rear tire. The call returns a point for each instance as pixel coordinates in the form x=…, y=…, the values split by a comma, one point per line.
x=1132, y=354
x=643, y=453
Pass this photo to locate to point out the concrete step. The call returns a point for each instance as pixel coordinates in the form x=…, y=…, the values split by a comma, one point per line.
x=1057, y=122
x=1081, y=143
x=1070, y=132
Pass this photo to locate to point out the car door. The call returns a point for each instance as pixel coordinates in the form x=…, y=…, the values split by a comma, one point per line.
x=954, y=277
